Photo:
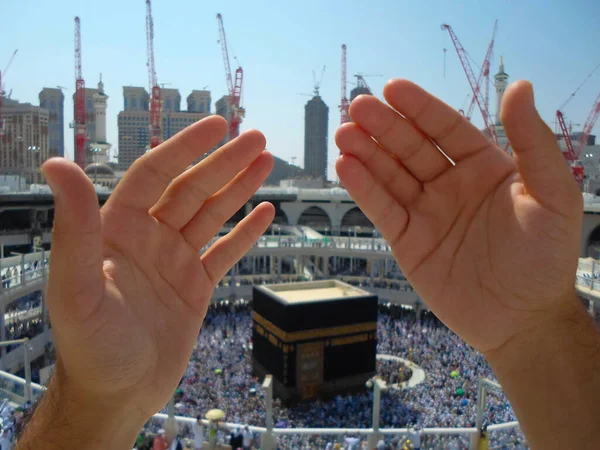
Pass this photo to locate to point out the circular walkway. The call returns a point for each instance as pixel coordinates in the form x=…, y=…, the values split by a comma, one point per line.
x=418, y=374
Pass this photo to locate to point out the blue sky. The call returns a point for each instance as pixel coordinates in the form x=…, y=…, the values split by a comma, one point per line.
x=555, y=44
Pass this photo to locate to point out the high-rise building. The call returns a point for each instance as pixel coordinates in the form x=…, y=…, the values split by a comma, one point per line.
x=171, y=100
x=199, y=101
x=316, y=120
x=501, y=84
x=359, y=90
x=98, y=149
x=53, y=100
x=134, y=121
x=135, y=99
x=25, y=145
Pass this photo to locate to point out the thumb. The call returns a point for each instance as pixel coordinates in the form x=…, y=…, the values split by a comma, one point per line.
x=542, y=166
x=76, y=257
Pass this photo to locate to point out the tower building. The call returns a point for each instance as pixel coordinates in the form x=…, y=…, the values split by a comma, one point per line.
x=98, y=150
x=53, y=100
x=134, y=120
x=316, y=120
x=171, y=100
x=24, y=147
x=199, y=101
x=359, y=90
x=501, y=83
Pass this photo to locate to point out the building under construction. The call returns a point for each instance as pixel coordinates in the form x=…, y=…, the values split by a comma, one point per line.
x=316, y=121
x=53, y=100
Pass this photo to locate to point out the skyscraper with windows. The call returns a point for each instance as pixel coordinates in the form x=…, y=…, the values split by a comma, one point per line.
x=53, y=100
x=134, y=120
x=25, y=144
x=316, y=120
x=171, y=100
x=199, y=101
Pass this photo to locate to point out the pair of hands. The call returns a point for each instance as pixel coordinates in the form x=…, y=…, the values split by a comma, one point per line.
x=490, y=242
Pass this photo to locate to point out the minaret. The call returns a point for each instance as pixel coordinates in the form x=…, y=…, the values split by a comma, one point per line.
x=501, y=83
x=100, y=148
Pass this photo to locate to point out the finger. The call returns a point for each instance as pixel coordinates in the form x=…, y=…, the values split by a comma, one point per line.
x=397, y=135
x=449, y=129
x=220, y=207
x=372, y=198
x=228, y=250
x=76, y=263
x=384, y=167
x=542, y=166
x=187, y=193
x=150, y=174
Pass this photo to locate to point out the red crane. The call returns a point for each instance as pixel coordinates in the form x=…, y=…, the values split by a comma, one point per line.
x=234, y=87
x=572, y=153
x=2, y=91
x=464, y=60
x=484, y=75
x=589, y=124
x=345, y=104
x=80, y=126
x=155, y=98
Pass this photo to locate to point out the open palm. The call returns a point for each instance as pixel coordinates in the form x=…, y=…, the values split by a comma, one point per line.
x=482, y=237
x=129, y=289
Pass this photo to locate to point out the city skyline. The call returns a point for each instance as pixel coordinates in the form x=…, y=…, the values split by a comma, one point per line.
x=278, y=58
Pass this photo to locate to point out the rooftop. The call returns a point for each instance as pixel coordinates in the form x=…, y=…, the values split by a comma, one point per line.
x=314, y=290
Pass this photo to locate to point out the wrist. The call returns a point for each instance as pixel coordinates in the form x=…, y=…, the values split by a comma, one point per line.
x=69, y=415
x=550, y=375
x=553, y=334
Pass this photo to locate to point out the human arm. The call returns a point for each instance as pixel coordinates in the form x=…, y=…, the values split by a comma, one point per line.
x=128, y=288
x=551, y=375
x=490, y=242
x=61, y=421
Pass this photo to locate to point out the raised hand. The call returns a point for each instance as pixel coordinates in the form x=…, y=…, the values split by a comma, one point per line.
x=128, y=289
x=489, y=241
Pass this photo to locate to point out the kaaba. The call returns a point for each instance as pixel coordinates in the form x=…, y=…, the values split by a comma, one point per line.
x=317, y=338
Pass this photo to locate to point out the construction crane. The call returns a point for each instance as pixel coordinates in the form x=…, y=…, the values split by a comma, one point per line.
x=2, y=90
x=589, y=124
x=345, y=104
x=570, y=155
x=362, y=83
x=484, y=75
x=234, y=87
x=464, y=60
x=317, y=83
x=155, y=99
x=80, y=122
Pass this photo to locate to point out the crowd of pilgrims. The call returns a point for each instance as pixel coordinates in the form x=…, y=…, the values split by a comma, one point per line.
x=219, y=375
x=20, y=325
